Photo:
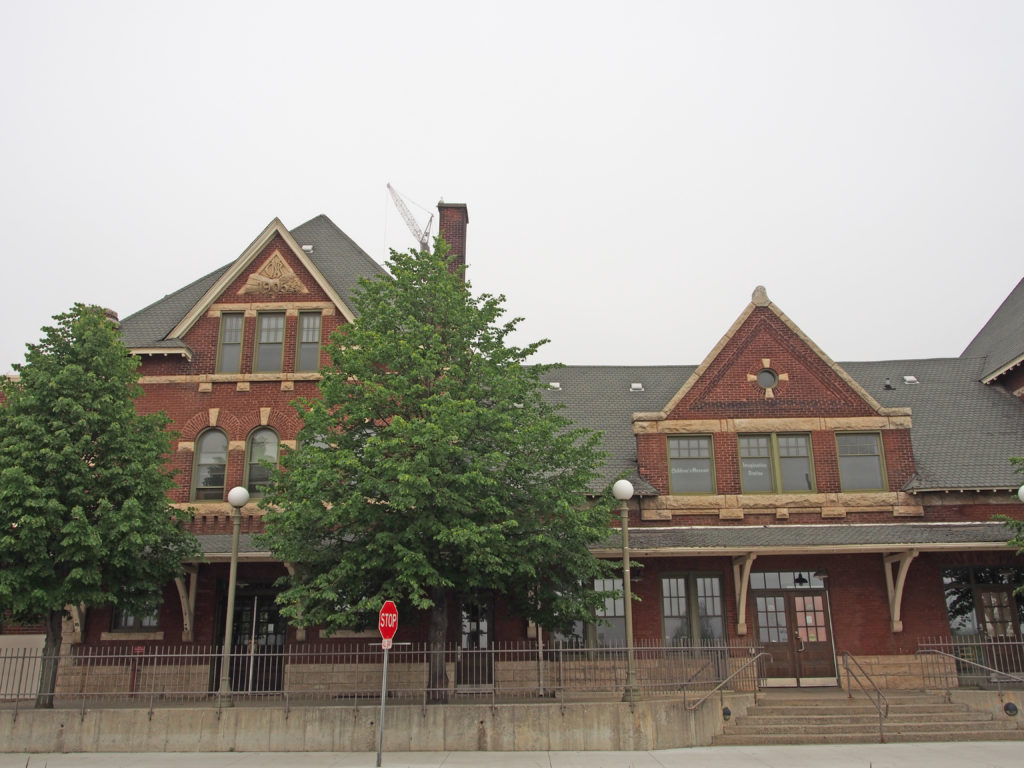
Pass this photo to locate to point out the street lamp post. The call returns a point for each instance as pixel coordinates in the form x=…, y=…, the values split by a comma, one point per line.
x=622, y=490
x=238, y=497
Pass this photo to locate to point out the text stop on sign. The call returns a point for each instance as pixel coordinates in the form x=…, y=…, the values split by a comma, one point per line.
x=387, y=622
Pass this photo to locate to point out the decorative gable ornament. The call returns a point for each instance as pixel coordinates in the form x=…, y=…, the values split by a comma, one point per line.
x=767, y=378
x=275, y=276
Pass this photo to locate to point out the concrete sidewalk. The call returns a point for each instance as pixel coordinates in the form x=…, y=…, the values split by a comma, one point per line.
x=987, y=754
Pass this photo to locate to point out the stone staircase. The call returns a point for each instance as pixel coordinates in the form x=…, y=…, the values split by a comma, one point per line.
x=830, y=717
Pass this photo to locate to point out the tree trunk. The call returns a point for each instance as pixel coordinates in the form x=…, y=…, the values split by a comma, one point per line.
x=438, y=636
x=51, y=656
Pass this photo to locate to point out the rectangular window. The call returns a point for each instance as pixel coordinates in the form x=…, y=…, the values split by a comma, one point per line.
x=795, y=463
x=981, y=600
x=690, y=465
x=269, y=342
x=229, y=353
x=775, y=462
x=307, y=355
x=127, y=622
x=691, y=607
x=613, y=633
x=860, y=462
x=756, y=464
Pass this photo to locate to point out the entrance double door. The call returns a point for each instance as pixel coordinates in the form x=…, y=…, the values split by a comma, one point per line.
x=795, y=627
x=258, y=636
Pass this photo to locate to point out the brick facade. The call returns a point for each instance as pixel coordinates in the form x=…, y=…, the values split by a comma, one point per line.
x=723, y=400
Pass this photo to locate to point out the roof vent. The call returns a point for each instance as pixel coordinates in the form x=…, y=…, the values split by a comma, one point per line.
x=888, y=383
x=636, y=386
x=910, y=380
x=307, y=248
x=555, y=385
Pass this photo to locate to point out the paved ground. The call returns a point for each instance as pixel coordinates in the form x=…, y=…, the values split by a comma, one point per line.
x=989, y=754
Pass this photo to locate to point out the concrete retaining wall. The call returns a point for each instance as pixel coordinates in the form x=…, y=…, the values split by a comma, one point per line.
x=643, y=725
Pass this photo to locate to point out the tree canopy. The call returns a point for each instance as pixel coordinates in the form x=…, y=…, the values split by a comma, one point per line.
x=432, y=467
x=1015, y=525
x=84, y=516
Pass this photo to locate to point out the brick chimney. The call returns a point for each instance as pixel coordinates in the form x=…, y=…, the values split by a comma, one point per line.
x=453, y=218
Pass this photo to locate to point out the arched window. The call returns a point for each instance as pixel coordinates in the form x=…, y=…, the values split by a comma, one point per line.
x=211, y=463
x=261, y=456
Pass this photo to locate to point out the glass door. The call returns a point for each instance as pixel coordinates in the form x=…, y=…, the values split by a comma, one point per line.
x=475, y=665
x=791, y=612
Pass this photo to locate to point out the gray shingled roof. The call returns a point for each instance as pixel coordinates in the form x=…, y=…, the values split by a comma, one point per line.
x=963, y=431
x=335, y=254
x=598, y=397
x=150, y=326
x=220, y=544
x=1001, y=341
x=878, y=537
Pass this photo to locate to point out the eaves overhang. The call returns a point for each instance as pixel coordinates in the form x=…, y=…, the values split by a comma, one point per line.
x=853, y=538
x=184, y=352
x=1006, y=368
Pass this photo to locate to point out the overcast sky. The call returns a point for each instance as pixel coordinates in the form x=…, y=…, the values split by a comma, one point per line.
x=632, y=169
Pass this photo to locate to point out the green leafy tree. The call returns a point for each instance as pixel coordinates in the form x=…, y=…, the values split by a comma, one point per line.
x=432, y=469
x=84, y=516
x=1016, y=525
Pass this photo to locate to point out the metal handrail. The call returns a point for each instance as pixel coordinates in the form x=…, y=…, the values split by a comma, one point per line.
x=1000, y=675
x=719, y=687
x=882, y=712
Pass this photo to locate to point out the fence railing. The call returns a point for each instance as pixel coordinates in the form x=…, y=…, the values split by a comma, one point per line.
x=95, y=676
x=972, y=661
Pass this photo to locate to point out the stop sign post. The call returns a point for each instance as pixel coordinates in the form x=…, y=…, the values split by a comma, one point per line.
x=387, y=623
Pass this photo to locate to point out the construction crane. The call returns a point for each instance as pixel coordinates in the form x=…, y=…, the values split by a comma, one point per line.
x=422, y=235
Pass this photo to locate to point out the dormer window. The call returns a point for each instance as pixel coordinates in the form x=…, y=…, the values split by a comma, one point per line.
x=771, y=463
x=691, y=468
x=860, y=461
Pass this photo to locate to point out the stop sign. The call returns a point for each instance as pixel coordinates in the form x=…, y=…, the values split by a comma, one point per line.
x=387, y=622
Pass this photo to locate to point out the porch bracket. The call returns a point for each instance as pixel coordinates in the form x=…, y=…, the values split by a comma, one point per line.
x=188, y=602
x=300, y=632
x=77, y=613
x=895, y=587
x=741, y=580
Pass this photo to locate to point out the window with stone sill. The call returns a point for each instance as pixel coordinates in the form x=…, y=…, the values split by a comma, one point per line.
x=307, y=352
x=691, y=464
x=210, y=466
x=261, y=458
x=229, y=347
x=269, y=342
x=776, y=463
x=129, y=622
x=861, y=465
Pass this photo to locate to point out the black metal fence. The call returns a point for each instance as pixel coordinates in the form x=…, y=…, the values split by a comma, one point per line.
x=972, y=661
x=93, y=676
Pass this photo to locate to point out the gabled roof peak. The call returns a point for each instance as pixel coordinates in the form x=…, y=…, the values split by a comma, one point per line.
x=739, y=333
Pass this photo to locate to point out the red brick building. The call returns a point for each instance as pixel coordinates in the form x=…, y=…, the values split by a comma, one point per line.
x=782, y=500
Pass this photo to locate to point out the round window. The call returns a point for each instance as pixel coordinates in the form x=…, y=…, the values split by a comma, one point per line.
x=767, y=378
